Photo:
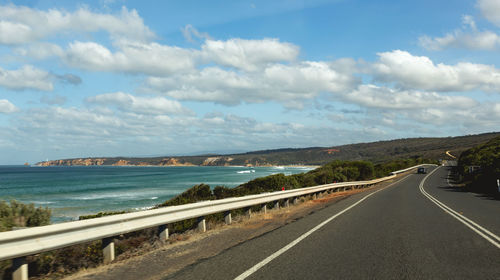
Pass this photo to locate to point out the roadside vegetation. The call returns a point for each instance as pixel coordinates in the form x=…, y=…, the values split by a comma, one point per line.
x=15, y=215
x=57, y=263
x=479, y=167
x=335, y=171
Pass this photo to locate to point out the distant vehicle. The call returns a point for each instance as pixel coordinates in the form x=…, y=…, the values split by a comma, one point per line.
x=421, y=170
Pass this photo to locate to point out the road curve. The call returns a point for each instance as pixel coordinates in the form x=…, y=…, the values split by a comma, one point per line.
x=450, y=155
x=396, y=233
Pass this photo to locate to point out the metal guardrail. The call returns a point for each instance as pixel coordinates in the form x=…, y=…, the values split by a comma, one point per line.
x=20, y=243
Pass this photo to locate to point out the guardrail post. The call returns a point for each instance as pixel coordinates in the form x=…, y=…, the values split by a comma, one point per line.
x=295, y=200
x=163, y=233
x=108, y=249
x=202, y=226
x=264, y=208
x=287, y=203
x=248, y=212
x=276, y=205
x=314, y=196
x=20, y=269
x=227, y=217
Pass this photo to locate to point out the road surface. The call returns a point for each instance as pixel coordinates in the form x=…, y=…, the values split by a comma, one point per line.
x=418, y=228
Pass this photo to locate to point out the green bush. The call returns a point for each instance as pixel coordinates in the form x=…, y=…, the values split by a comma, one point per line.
x=487, y=158
x=17, y=214
x=101, y=214
x=197, y=193
x=341, y=171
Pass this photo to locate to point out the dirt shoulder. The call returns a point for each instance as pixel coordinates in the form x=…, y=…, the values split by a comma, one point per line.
x=155, y=262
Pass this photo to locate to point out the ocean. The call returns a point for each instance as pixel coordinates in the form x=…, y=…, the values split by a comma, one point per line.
x=72, y=191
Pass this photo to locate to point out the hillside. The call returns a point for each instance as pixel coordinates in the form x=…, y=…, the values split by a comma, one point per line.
x=479, y=167
x=377, y=152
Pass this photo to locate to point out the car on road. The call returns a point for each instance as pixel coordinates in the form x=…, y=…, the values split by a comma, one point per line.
x=421, y=170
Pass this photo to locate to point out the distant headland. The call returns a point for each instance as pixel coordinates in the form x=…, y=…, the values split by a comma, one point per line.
x=431, y=148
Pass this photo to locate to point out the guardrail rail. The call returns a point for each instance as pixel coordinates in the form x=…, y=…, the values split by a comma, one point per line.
x=18, y=244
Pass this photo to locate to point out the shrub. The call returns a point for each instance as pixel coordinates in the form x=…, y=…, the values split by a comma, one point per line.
x=487, y=157
x=101, y=214
x=17, y=214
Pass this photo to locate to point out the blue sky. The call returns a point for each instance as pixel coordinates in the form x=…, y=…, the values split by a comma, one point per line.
x=139, y=78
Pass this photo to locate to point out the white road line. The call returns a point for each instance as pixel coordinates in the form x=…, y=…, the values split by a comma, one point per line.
x=256, y=267
x=486, y=234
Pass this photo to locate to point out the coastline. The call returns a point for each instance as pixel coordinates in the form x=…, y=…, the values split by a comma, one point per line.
x=176, y=165
x=73, y=191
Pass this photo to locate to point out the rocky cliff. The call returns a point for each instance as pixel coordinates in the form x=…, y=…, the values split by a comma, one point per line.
x=112, y=162
x=73, y=162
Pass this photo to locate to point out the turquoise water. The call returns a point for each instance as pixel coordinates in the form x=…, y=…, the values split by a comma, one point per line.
x=74, y=191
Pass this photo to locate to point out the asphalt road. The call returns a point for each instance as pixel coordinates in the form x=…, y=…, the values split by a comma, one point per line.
x=392, y=233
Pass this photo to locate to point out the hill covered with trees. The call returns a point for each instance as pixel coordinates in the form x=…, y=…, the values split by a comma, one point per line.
x=480, y=166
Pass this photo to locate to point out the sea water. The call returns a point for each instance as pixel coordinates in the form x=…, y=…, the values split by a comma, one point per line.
x=72, y=191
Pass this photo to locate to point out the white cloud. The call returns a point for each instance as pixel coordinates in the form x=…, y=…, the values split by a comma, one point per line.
x=14, y=33
x=309, y=77
x=40, y=50
x=288, y=84
x=491, y=10
x=468, y=37
x=71, y=125
x=23, y=25
x=372, y=96
x=191, y=34
x=6, y=107
x=420, y=72
x=249, y=55
x=141, y=105
x=210, y=84
x=401, y=110
x=27, y=77
x=479, y=40
x=162, y=60
x=468, y=20
x=134, y=57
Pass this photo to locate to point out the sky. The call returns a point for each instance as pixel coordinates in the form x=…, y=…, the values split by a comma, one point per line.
x=153, y=78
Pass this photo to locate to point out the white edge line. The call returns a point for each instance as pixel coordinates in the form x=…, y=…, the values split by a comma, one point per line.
x=276, y=254
x=468, y=220
x=464, y=220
